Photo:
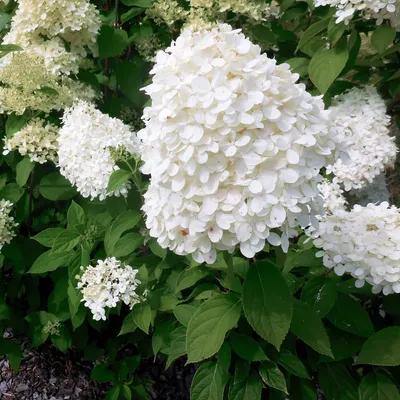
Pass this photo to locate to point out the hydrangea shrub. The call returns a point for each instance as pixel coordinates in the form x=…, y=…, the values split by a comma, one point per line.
x=175, y=179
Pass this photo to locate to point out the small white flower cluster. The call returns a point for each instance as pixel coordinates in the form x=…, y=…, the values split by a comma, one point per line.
x=38, y=140
x=233, y=145
x=86, y=141
x=364, y=242
x=359, y=116
x=7, y=223
x=106, y=284
x=381, y=10
x=333, y=196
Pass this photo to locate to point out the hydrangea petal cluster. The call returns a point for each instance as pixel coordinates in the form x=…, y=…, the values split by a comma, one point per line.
x=27, y=84
x=86, y=142
x=381, y=10
x=333, y=196
x=359, y=116
x=106, y=284
x=365, y=243
x=75, y=21
x=38, y=140
x=7, y=223
x=233, y=145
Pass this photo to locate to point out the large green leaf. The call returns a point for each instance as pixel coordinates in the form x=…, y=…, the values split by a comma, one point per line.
x=382, y=37
x=382, y=348
x=183, y=313
x=124, y=222
x=117, y=179
x=292, y=364
x=189, y=276
x=66, y=241
x=246, y=347
x=337, y=383
x=209, y=324
x=312, y=31
x=273, y=376
x=178, y=345
x=128, y=325
x=55, y=187
x=11, y=192
x=141, y=314
x=112, y=42
x=325, y=66
x=75, y=215
x=127, y=244
x=23, y=170
x=375, y=386
x=48, y=236
x=307, y=325
x=348, y=314
x=267, y=302
x=249, y=388
x=49, y=261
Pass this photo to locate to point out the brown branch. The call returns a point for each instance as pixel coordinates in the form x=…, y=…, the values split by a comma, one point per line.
x=393, y=103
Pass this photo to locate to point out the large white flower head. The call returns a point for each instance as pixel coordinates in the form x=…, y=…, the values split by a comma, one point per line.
x=106, y=284
x=364, y=242
x=380, y=10
x=7, y=223
x=75, y=21
x=233, y=145
x=38, y=140
x=332, y=195
x=359, y=116
x=86, y=142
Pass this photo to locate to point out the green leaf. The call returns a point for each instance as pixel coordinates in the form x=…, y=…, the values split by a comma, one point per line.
x=11, y=192
x=15, y=123
x=112, y=42
x=10, y=47
x=246, y=347
x=133, y=12
x=375, y=386
x=273, y=376
x=4, y=18
x=113, y=393
x=157, y=250
x=382, y=37
x=292, y=364
x=178, y=345
x=263, y=34
x=49, y=261
x=141, y=314
x=209, y=324
x=267, y=302
x=189, y=276
x=101, y=373
x=161, y=336
x=299, y=65
x=124, y=222
x=325, y=66
x=129, y=80
x=337, y=383
x=117, y=179
x=23, y=170
x=335, y=30
x=127, y=244
x=382, y=348
x=302, y=390
x=307, y=325
x=65, y=241
x=209, y=382
x=246, y=389
x=320, y=294
x=128, y=325
x=48, y=236
x=312, y=31
x=55, y=187
x=13, y=352
x=348, y=315
x=138, y=3
x=343, y=344
x=184, y=312
x=75, y=215
x=126, y=392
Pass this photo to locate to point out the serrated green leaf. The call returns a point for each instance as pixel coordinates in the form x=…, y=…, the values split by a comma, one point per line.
x=184, y=312
x=249, y=388
x=49, y=261
x=117, y=179
x=267, y=302
x=23, y=170
x=375, y=386
x=48, y=236
x=273, y=376
x=292, y=364
x=320, y=294
x=66, y=241
x=246, y=347
x=141, y=314
x=348, y=314
x=382, y=37
x=381, y=348
x=307, y=325
x=325, y=66
x=209, y=324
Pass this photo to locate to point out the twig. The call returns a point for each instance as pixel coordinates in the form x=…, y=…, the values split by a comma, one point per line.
x=116, y=23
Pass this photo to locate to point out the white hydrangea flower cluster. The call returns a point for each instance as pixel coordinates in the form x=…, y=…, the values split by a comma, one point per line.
x=359, y=116
x=7, y=223
x=233, y=145
x=86, y=141
x=364, y=242
x=332, y=195
x=38, y=140
x=106, y=284
x=381, y=10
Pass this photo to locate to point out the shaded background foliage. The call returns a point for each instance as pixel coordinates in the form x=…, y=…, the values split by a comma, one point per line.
x=283, y=325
